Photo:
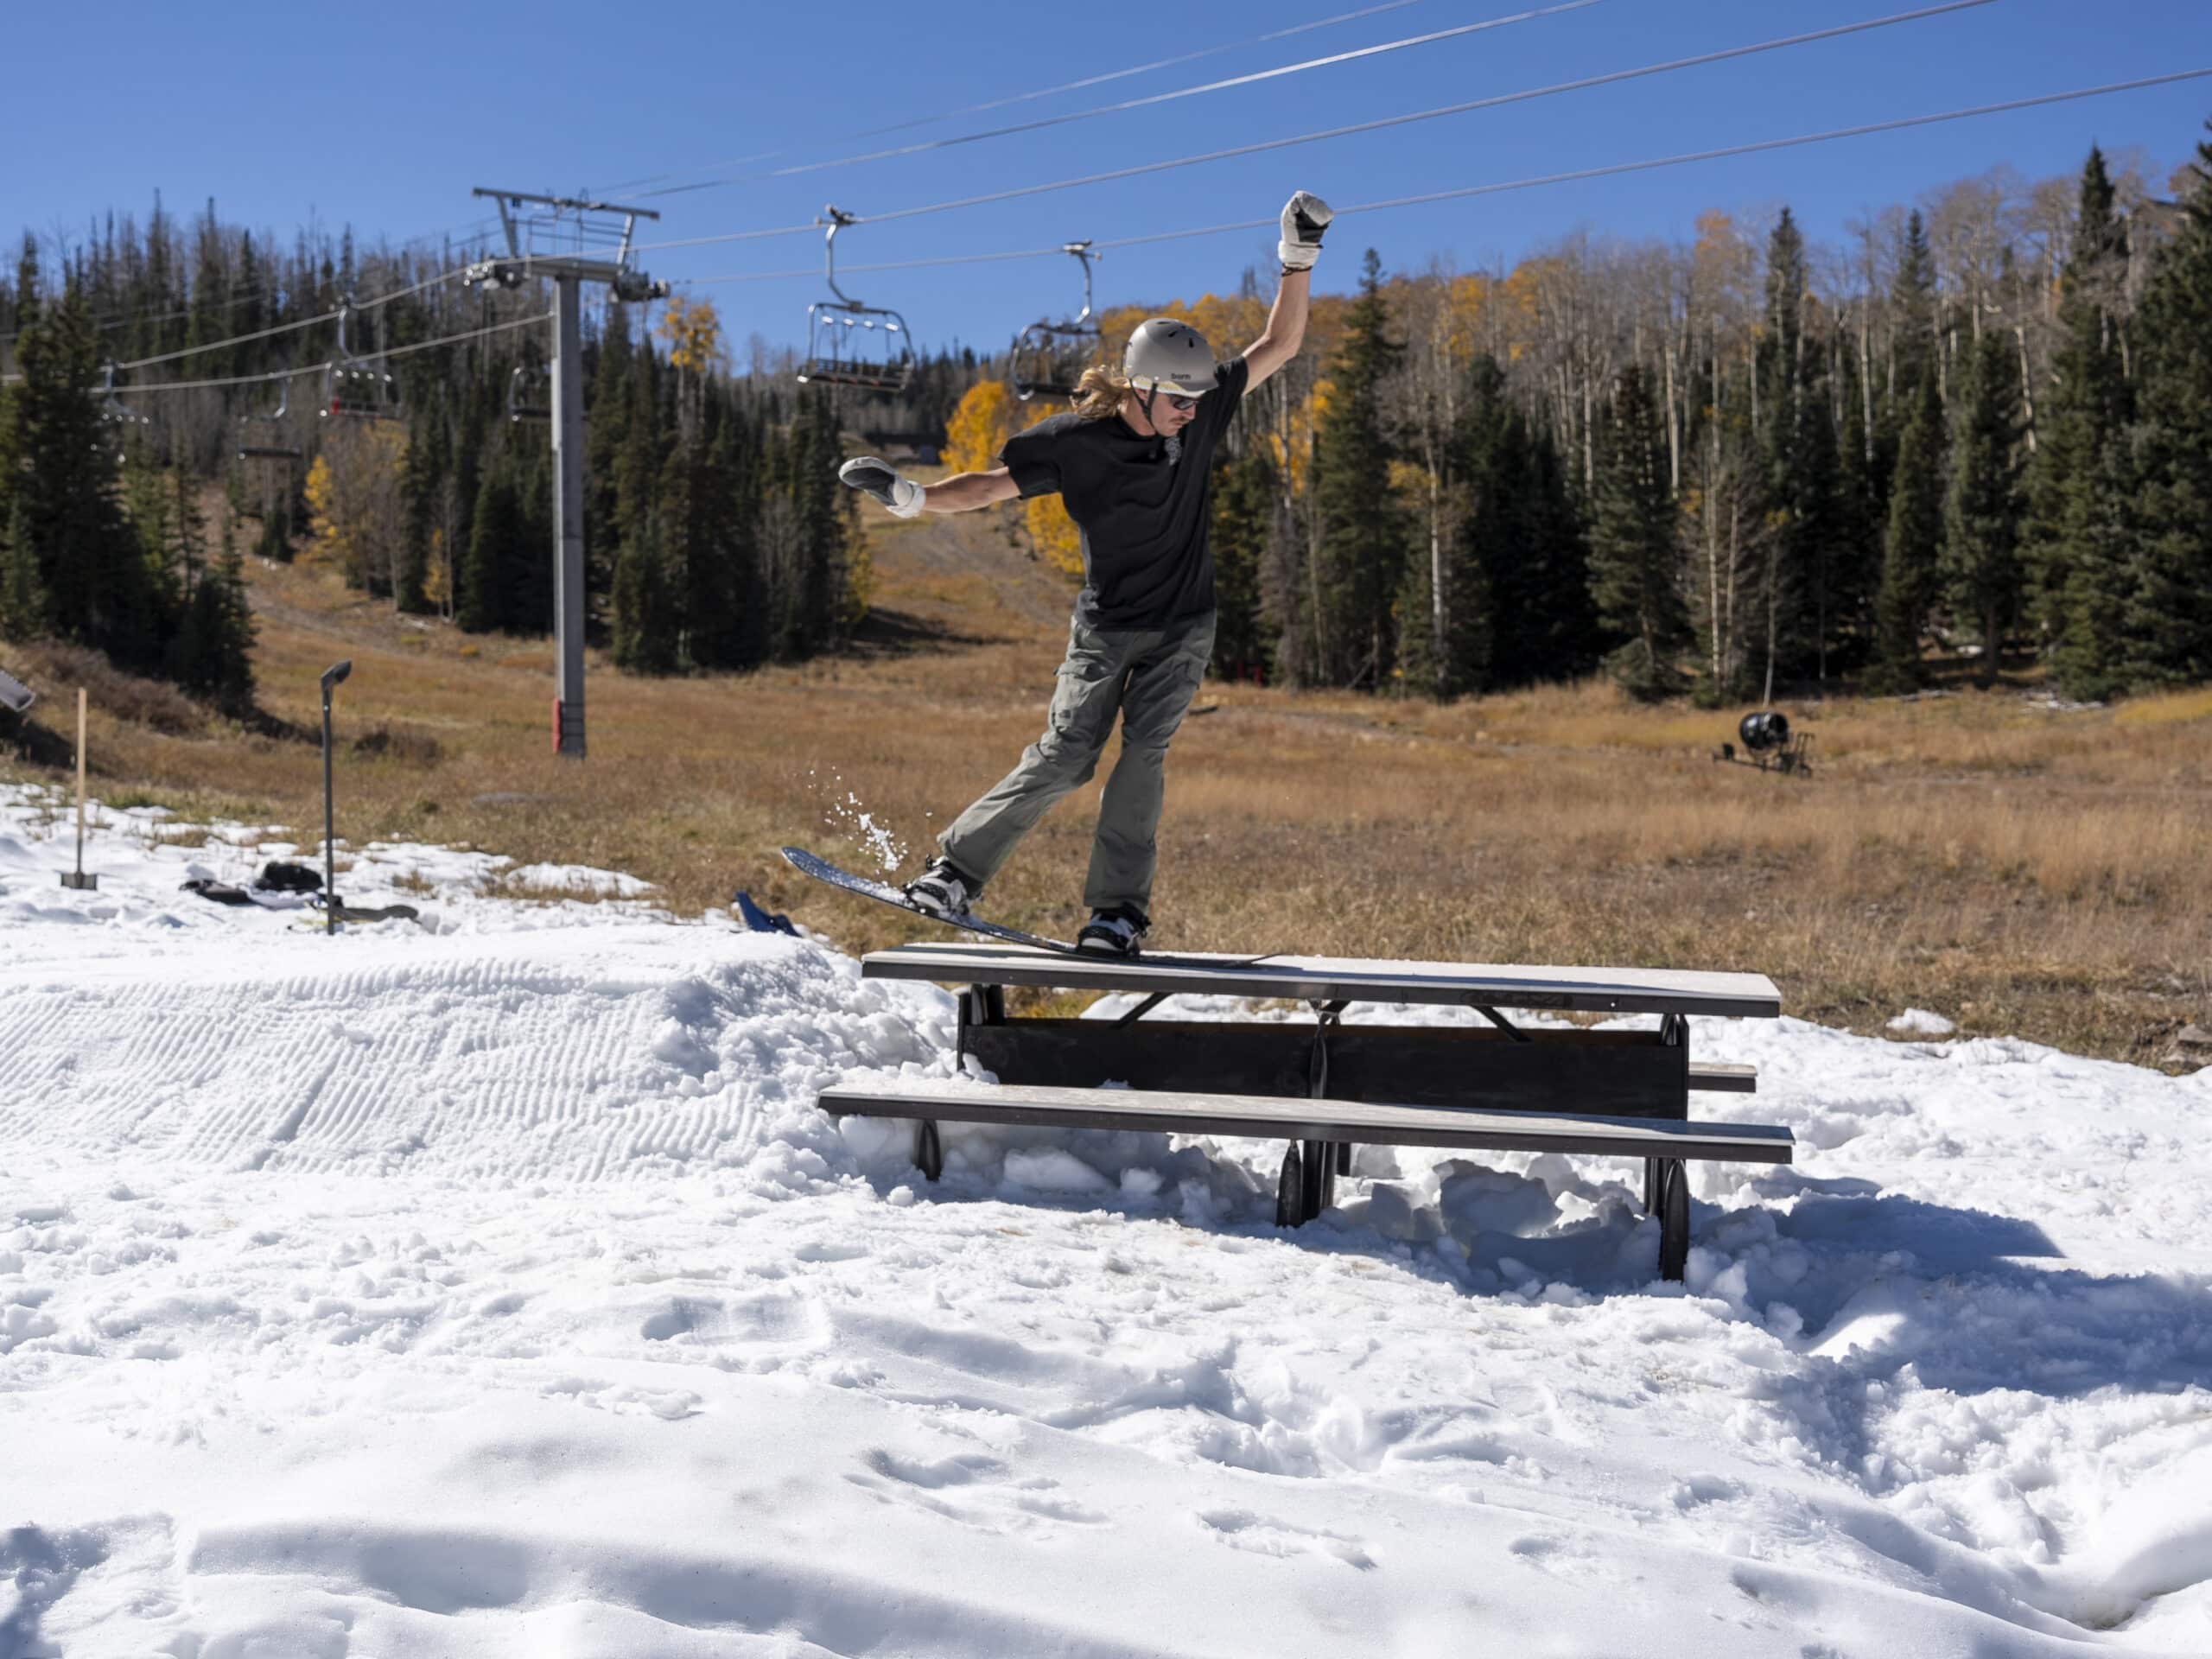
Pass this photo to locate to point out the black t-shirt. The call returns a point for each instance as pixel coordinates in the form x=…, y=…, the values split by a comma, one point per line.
x=1143, y=509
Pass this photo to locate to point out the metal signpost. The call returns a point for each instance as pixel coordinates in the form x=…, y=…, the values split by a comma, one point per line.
x=333, y=678
x=76, y=878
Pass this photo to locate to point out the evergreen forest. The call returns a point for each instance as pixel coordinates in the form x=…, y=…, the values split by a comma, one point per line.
x=1730, y=469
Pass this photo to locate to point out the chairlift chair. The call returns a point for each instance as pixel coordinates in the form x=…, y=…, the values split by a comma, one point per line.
x=249, y=450
x=849, y=343
x=519, y=383
x=114, y=410
x=1048, y=357
x=354, y=388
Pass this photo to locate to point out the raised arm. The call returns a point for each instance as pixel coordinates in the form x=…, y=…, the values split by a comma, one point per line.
x=904, y=499
x=1305, y=220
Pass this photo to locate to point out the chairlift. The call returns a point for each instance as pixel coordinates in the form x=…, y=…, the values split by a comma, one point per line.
x=353, y=388
x=849, y=343
x=1050, y=357
x=113, y=409
x=249, y=450
x=523, y=380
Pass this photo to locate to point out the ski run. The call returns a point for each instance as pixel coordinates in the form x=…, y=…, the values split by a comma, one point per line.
x=493, y=1287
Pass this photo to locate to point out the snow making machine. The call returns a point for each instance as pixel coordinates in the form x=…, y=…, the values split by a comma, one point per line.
x=1770, y=745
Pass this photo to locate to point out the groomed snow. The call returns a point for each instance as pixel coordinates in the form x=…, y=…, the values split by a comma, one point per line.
x=492, y=1287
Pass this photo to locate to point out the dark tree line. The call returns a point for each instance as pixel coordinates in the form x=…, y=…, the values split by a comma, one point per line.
x=716, y=536
x=97, y=546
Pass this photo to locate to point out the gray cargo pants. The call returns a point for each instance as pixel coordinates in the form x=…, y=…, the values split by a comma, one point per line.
x=1149, y=678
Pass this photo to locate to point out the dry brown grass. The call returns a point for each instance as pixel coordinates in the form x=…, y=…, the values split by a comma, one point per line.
x=2017, y=868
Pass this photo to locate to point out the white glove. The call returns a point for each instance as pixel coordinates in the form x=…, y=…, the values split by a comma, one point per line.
x=1305, y=220
x=901, y=496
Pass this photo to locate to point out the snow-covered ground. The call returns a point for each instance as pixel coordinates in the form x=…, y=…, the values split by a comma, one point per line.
x=492, y=1287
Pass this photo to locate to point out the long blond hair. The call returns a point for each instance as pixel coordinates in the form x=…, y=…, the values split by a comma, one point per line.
x=1098, y=394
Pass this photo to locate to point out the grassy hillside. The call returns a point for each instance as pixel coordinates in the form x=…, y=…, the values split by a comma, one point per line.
x=2018, y=866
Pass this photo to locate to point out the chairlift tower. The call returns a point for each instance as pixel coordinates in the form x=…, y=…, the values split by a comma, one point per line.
x=572, y=242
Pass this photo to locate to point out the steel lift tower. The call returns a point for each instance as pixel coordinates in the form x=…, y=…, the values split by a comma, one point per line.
x=571, y=243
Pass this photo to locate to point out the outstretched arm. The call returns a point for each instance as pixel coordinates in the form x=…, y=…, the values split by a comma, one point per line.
x=904, y=499
x=1305, y=220
x=964, y=492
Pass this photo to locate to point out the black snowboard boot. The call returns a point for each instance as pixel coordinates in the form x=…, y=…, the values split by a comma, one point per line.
x=1116, y=932
x=942, y=890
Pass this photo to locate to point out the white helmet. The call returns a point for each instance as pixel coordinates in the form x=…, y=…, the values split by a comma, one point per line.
x=1164, y=355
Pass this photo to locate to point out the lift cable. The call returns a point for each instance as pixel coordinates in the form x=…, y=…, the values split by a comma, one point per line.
x=1613, y=170
x=1493, y=102
x=1256, y=76
x=1048, y=91
x=270, y=376
x=369, y=304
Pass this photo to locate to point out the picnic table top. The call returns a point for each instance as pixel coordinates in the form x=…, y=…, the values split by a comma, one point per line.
x=1333, y=979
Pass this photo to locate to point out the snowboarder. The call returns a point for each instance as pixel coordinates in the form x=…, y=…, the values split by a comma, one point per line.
x=1132, y=464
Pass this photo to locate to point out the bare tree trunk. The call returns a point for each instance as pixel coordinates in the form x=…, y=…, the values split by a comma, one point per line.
x=1767, y=695
x=1438, y=632
x=1711, y=508
x=1867, y=378
x=1674, y=423
x=2027, y=385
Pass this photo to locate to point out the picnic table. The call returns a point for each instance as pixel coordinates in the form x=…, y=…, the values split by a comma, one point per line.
x=1323, y=1085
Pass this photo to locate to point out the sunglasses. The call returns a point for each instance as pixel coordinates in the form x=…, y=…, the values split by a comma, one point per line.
x=1180, y=404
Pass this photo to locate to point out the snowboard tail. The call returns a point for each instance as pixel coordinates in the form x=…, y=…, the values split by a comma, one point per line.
x=883, y=893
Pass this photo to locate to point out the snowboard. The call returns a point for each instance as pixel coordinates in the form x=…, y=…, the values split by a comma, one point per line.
x=822, y=870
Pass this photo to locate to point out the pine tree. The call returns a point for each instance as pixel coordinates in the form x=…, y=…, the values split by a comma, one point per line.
x=1364, y=537
x=23, y=596
x=1243, y=514
x=2077, y=485
x=1856, y=572
x=479, y=582
x=232, y=679
x=97, y=587
x=1912, y=343
x=1981, y=572
x=1632, y=577
x=188, y=526
x=642, y=635
x=1912, y=546
x=2167, y=614
x=423, y=478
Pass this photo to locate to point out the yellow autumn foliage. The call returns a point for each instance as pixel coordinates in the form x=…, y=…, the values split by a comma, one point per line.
x=979, y=427
x=693, y=332
x=326, y=540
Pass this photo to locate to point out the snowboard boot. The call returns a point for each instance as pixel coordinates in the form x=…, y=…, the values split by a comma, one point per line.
x=942, y=890
x=1116, y=932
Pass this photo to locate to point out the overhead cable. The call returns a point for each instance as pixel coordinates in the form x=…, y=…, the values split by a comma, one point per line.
x=1048, y=91
x=270, y=376
x=1256, y=76
x=369, y=304
x=1612, y=170
x=1496, y=101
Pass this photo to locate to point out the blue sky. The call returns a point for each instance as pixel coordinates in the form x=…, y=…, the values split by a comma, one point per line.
x=385, y=117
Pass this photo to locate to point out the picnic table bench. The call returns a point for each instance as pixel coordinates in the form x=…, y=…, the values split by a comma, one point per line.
x=1325, y=1086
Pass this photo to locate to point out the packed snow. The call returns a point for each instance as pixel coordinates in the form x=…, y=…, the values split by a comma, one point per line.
x=489, y=1284
x=1922, y=1022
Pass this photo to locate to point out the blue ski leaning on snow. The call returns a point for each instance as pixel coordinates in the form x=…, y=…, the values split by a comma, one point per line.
x=822, y=870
